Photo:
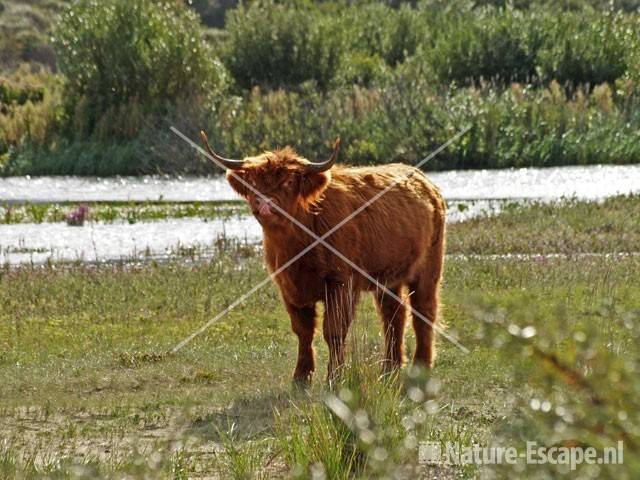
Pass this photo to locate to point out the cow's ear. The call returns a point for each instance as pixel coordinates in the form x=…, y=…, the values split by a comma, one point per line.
x=237, y=185
x=313, y=185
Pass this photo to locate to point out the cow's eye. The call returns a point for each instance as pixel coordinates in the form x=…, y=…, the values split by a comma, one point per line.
x=288, y=183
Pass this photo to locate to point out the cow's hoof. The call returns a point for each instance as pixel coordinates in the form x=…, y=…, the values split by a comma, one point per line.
x=302, y=380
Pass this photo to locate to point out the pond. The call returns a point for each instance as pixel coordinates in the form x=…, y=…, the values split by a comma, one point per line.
x=479, y=190
x=593, y=181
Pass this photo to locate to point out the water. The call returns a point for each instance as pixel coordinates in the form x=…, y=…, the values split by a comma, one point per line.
x=91, y=189
x=590, y=182
x=38, y=243
x=97, y=241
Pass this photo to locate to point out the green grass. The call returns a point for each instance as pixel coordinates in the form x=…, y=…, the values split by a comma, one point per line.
x=565, y=226
x=86, y=377
x=131, y=212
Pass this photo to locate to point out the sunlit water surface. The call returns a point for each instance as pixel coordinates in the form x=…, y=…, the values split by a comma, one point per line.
x=594, y=181
x=480, y=190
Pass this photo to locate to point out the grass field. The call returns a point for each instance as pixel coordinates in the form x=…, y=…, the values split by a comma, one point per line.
x=89, y=390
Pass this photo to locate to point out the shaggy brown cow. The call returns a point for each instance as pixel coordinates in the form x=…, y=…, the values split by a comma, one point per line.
x=398, y=240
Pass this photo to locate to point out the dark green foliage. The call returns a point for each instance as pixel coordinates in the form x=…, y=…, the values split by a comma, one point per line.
x=276, y=46
x=588, y=48
x=507, y=45
x=79, y=158
x=213, y=12
x=491, y=45
x=141, y=55
x=377, y=30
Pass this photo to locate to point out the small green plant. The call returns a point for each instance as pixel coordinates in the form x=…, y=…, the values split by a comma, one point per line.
x=242, y=460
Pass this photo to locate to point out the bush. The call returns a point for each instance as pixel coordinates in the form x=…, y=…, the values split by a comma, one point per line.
x=25, y=31
x=493, y=45
x=358, y=68
x=30, y=104
x=394, y=83
x=117, y=54
x=587, y=47
x=274, y=45
x=379, y=31
x=543, y=127
x=155, y=149
x=538, y=46
x=88, y=157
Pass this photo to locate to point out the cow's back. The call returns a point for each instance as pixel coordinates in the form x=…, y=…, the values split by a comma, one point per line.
x=391, y=236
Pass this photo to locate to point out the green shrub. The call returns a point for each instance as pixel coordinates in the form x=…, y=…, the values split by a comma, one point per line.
x=499, y=45
x=533, y=127
x=142, y=53
x=407, y=118
x=77, y=158
x=155, y=149
x=587, y=47
x=538, y=46
x=394, y=83
x=274, y=45
x=378, y=30
x=358, y=68
x=563, y=5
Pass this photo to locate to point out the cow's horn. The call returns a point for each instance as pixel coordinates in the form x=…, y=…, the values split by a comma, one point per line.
x=323, y=166
x=227, y=162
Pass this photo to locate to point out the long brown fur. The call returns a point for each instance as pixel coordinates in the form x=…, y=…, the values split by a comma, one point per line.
x=398, y=240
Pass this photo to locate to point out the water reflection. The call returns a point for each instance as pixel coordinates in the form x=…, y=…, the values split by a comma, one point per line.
x=470, y=193
x=583, y=182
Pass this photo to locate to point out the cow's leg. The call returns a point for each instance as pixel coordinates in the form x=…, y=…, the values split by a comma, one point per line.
x=393, y=315
x=303, y=323
x=425, y=300
x=340, y=304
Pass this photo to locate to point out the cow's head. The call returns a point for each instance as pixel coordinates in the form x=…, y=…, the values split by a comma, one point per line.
x=282, y=177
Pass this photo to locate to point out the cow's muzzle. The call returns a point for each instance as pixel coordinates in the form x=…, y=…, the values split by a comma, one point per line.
x=262, y=207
